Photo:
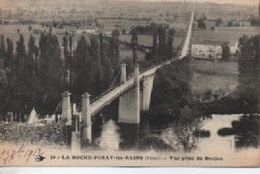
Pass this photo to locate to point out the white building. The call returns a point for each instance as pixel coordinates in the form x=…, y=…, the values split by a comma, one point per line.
x=234, y=47
x=207, y=49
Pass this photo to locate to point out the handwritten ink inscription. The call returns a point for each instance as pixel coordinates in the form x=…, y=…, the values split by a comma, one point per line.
x=21, y=153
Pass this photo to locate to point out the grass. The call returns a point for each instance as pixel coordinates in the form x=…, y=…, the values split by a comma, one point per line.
x=224, y=33
x=147, y=40
x=216, y=79
x=25, y=133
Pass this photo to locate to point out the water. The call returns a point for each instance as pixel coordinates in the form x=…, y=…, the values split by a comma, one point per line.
x=164, y=136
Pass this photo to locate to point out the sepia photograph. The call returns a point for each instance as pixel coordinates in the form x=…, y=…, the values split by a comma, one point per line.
x=111, y=83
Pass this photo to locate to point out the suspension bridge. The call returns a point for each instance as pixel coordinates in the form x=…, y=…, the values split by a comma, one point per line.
x=133, y=97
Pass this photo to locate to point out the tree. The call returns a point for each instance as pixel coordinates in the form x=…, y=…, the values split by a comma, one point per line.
x=9, y=53
x=172, y=89
x=50, y=73
x=20, y=57
x=134, y=43
x=162, y=42
x=114, y=49
x=3, y=51
x=32, y=51
x=170, y=41
x=202, y=22
x=249, y=70
x=254, y=20
x=81, y=67
x=65, y=45
x=106, y=66
x=155, y=42
x=226, y=52
x=219, y=21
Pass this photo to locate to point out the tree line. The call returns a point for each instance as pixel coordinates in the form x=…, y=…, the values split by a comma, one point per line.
x=37, y=76
x=163, y=39
x=249, y=71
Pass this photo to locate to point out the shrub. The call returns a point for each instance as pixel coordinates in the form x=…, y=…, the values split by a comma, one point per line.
x=201, y=133
x=226, y=131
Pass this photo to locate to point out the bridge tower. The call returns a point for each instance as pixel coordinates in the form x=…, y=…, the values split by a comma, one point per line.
x=129, y=103
x=86, y=117
x=123, y=73
x=66, y=107
x=147, y=92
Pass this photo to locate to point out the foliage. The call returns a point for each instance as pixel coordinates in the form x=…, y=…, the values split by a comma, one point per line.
x=172, y=90
x=219, y=21
x=162, y=48
x=254, y=20
x=226, y=131
x=202, y=22
x=47, y=135
x=249, y=70
x=247, y=129
x=226, y=52
x=201, y=133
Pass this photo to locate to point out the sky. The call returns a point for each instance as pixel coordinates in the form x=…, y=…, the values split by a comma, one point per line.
x=218, y=1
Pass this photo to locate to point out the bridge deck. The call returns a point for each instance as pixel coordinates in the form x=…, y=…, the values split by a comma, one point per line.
x=111, y=95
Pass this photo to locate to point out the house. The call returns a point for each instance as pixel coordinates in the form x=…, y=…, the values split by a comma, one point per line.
x=234, y=47
x=207, y=49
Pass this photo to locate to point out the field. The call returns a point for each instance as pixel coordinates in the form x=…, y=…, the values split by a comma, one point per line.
x=10, y=31
x=147, y=40
x=224, y=33
x=220, y=78
x=126, y=54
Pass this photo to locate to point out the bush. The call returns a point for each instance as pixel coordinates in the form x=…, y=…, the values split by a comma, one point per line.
x=226, y=131
x=23, y=133
x=201, y=133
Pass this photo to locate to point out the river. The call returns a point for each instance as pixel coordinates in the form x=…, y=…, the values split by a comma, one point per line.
x=164, y=135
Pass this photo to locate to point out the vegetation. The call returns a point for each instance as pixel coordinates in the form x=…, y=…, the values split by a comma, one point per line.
x=249, y=71
x=172, y=89
x=172, y=98
x=201, y=133
x=162, y=48
x=37, y=76
x=226, y=131
x=225, y=52
x=52, y=134
x=202, y=22
x=245, y=98
x=247, y=129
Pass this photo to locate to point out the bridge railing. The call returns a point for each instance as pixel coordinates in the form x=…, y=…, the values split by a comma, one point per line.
x=153, y=68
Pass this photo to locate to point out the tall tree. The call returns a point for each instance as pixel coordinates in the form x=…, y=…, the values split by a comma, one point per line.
x=96, y=72
x=134, y=43
x=81, y=67
x=170, y=41
x=50, y=74
x=32, y=52
x=162, y=42
x=225, y=52
x=20, y=56
x=9, y=53
x=106, y=66
x=65, y=45
x=249, y=70
x=155, y=41
x=3, y=51
x=114, y=49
